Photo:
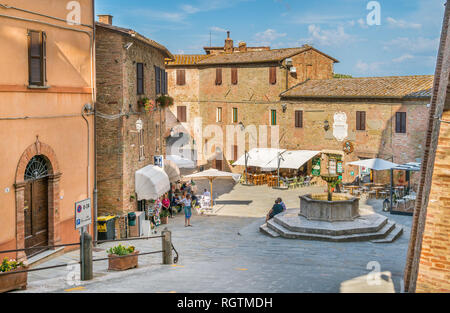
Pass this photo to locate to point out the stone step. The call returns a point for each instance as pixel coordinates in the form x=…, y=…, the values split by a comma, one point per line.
x=284, y=232
x=44, y=256
x=267, y=231
x=393, y=235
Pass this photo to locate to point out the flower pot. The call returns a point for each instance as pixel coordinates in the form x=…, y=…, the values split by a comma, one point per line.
x=123, y=263
x=164, y=220
x=13, y=281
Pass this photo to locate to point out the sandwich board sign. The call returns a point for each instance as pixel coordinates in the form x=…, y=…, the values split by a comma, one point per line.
x=83, y=215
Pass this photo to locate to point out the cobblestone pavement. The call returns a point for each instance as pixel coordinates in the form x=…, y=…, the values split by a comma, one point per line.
x=229, y=254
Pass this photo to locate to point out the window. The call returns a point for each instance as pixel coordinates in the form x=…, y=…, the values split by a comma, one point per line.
x=360, y=120
x=298, y=119
x=218, y=164
x=273, y=117
x=181, y=114
x=181, y=77
x=160, y=81
x=400, y=122
x=235, y=152
x=273, y=75
x=218, y=76
x=235, y=115
x=140, y=78
x=234, y=76
x=219, y=115
x=37, y=59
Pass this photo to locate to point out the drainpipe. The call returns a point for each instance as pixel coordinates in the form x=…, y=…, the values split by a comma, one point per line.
x=94, y=92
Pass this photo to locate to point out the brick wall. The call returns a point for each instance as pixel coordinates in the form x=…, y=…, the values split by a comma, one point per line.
x=117, y=139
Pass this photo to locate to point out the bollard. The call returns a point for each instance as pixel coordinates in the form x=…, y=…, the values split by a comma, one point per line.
x=167, y=246
x=86, y=270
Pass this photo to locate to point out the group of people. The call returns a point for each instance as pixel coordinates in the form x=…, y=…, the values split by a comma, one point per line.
x=277, y=208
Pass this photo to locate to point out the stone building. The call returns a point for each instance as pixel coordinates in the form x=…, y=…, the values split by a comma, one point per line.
x=46, y=123
x=130, y=67
x=428, y=261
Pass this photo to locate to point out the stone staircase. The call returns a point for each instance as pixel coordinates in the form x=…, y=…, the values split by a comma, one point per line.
x=372, y=227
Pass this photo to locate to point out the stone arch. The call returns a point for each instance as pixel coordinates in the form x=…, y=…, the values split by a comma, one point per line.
x=38, y=148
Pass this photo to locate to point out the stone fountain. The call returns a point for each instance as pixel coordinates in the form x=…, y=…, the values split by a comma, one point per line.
x=332, y=217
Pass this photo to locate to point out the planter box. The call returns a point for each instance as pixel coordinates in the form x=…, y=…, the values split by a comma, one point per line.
x=164, y=220
x=116, y=263
x=14, y=281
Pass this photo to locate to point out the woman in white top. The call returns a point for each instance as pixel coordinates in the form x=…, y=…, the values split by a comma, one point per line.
x=187, y=203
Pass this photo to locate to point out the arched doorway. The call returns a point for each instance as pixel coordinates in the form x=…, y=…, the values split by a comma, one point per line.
x=37, y=199
x=36, y=204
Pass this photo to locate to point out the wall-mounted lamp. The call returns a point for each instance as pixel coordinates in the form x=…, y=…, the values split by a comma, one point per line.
x=242, y=125
x=172, y=133
x=128, y=45
x=284, y=107
x=326, y=125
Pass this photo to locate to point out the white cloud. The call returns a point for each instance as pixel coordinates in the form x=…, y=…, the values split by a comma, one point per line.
x=368, y=68
x=402, y=24
x=328, y=37
x=268, y=36
x=218, y=29
x=416, y=45
x=362, y=23
x=403, y=58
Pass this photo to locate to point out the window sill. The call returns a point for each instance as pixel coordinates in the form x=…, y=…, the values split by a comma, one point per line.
x=38, y=87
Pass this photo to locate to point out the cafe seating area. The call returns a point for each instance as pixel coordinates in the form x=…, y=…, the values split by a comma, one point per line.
x=271, y=180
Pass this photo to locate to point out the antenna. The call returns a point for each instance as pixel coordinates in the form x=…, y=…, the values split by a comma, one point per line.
x=210, y=39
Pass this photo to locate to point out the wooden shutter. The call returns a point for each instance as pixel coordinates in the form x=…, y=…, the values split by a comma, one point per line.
x=157, y=80
x=181, y=77
x=235, y=152
x=273, y=75
x=35, y=58
x=167, y=84
x=400, y=122
x=299, y=119
x=163, y=82
x=273, y=117
x=235, y=115
x=360, y=120
x=218, y=76
x=181, y=114
x=140, y=78
x=234, y=76
x=44, y=58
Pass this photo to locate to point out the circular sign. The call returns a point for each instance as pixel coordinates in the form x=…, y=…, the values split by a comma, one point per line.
x=348, y=147
x=79, y=208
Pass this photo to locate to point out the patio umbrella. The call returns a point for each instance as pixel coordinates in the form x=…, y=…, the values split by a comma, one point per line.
x=172, y=170
x=211, y=175
x=374, y=164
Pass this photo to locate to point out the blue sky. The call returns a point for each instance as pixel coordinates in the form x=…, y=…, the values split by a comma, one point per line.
x=405, y=43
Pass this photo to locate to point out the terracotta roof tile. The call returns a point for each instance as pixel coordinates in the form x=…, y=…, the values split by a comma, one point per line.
x=364, y=87
x=134, y=34
x=264, y=56
x=186, y=59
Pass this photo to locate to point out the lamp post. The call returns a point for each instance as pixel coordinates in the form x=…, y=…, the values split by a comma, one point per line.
x=280, y=157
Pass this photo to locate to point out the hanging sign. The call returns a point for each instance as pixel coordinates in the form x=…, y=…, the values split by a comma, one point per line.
x=158, y=160
x=332, y=166
x=83, y=215
x=340, y=168
x=315, y=167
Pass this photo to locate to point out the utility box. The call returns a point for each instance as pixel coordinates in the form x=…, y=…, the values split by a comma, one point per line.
x=106, y=227
x=137, y=230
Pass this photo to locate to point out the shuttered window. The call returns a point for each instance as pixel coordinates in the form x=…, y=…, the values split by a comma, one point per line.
x=157, y=80
x=218, y=76
x=235, y=115
x=273, y=75
x=219, y=115
x=181, y=77
x=163, y=81
x=181, y=114
x=400, y=122
x=140, y=78
x=235, y=152
x=37, y=58
x=234, y=76
x=360, y=120
x=166, y=89
x=273, y=117
x=299, y=119
x=218, y=165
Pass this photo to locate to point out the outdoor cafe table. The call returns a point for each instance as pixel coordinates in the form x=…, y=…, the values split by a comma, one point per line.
x=352, y=187
x=377, y=190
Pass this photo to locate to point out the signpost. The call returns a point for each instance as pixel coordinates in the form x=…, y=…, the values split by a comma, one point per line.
x=83, y=218
x=158, y=160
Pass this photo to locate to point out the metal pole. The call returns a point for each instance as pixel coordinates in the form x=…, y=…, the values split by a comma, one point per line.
x=167, y=246
x=86, y=260
x=278, y=170
x=246, y=169
x=392, y=183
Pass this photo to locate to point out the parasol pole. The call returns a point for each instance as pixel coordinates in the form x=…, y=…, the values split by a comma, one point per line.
x=211, y=187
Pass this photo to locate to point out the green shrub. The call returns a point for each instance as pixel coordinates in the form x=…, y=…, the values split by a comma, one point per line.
x=120, y=250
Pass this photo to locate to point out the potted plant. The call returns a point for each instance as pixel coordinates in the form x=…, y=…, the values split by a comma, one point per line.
x=164, y=216
x=121, y=258
x=147, y=104
x=12, y=281
x=164, y=101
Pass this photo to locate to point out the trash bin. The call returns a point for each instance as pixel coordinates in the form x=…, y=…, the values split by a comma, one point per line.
x=131, y=219
x=106, y=227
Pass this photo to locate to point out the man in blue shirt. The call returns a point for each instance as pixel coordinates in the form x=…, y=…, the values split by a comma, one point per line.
x=276, y=209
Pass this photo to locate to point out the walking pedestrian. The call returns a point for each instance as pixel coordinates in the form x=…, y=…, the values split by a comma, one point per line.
x=187, y=204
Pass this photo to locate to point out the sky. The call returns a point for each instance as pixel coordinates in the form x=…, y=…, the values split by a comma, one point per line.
x=405, y=42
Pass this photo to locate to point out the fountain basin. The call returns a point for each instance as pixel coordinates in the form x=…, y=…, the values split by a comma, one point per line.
x=316, y=207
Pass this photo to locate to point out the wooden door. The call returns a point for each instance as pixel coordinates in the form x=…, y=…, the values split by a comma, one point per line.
x=36, y=215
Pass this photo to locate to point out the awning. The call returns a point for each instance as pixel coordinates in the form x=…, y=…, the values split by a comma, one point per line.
x=259, y=157
x=151, y=182
x=293, y=159
x=412, y=166
x=181, y=162
x=375, y=164
x=172, y=170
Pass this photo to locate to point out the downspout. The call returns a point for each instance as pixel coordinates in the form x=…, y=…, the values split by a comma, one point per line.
x=94, y=96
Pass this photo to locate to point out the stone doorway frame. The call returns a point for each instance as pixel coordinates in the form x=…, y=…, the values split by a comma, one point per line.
x=54, y=232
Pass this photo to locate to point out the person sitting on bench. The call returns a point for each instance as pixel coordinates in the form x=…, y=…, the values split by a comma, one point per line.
x=276, y=209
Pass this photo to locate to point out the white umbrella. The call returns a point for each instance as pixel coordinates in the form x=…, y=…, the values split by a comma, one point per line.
x=151, y=182
x=211, y=174
x=172, y=170
x=181, y=162
x=375, y=164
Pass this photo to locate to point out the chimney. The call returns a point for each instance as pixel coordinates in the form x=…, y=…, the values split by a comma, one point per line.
x=242, y=47
x=229, y=46
x=105, y=19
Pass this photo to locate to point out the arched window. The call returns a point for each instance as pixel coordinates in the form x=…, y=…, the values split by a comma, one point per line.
x=36, y=168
